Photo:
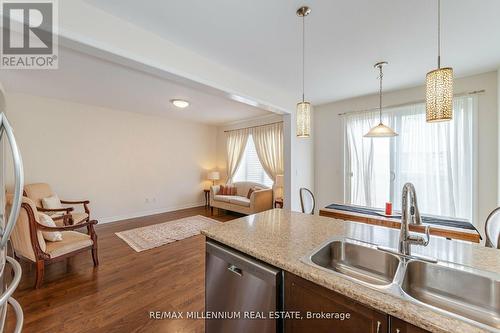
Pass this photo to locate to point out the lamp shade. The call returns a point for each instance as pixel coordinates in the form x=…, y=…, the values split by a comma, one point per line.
x=380, y=131
x=303, y=119
x=279, y=181
x=214, y=175
x=439, y=95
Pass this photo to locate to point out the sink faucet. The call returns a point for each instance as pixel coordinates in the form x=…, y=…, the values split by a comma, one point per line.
x=410, y=210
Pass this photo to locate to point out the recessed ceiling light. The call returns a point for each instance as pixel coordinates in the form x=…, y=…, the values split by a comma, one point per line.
x=180, y=103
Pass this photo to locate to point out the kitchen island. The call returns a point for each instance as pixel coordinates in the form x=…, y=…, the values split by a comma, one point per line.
x=284, y=239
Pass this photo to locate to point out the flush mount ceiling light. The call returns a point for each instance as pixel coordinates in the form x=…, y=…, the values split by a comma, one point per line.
x=180, y=103
x=303, y=107
x=381, y=130
x=439, y=87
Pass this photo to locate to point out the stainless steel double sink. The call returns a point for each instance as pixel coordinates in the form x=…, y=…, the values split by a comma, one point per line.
x=460, y=291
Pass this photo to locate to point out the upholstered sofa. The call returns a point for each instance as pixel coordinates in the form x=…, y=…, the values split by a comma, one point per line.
x=260, y=200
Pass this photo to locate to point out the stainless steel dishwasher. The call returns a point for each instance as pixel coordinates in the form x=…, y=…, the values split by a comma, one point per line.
x=239, y=285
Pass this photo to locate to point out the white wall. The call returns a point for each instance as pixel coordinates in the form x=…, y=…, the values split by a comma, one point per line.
x=299, y=161
x=302, y=162
x=328, y=143
x=127, y=164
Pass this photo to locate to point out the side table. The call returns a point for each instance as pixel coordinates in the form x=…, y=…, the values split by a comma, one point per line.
x=207, y=198
x=278, y=203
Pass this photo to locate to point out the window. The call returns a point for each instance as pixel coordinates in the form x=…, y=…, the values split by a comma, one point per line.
x=436, y=157
x=250, y=168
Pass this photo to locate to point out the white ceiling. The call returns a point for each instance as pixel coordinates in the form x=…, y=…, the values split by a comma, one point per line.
x=89, y=80
x=261, y=39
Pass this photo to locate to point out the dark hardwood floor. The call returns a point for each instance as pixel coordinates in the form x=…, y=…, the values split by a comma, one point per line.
x=118, y=295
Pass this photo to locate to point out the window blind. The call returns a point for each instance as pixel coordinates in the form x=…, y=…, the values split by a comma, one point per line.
x=250, y=168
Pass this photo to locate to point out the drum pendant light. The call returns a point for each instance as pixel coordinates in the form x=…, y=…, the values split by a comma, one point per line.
x=303, y=107
x=381, y=130
x=439, y=87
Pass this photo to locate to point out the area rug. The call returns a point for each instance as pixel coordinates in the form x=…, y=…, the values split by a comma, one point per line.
x=146, y=238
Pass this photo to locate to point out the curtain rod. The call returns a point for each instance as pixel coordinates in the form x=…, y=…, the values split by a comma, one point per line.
x=239, y=129
x=475, y=92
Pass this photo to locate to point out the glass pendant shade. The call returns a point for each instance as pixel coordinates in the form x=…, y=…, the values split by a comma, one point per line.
x=303, y=119
x=380, y=131
x=439, y=95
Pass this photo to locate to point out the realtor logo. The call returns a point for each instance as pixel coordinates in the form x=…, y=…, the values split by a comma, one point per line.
x=29, y=36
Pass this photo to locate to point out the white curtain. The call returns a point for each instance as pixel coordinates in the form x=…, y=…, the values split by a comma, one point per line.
x=269, y=146
x=366, y=161
x=235, y=146
x=436, y=157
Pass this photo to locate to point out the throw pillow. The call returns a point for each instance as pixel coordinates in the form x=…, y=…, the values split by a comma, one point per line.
x=52, y=236
x=52, y=202
x=221, y=190
x=227, y=190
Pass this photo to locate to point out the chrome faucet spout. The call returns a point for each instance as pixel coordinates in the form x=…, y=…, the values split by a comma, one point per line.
x=409, y=190
x=409, y=210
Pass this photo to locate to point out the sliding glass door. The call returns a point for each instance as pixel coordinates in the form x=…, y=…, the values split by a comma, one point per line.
x=437, y=158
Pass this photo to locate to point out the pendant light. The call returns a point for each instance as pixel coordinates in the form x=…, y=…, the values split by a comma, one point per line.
x=439, y=87
x=303, y=107
x=381, y=130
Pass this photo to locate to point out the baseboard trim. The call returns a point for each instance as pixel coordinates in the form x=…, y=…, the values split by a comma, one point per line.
x=109, y=219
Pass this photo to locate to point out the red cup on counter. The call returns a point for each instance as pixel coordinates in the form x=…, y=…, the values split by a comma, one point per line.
x=388, y=208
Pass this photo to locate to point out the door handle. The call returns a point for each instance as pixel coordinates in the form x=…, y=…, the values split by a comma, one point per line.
x=18, y=183
x=235, y=270
x=379, y=324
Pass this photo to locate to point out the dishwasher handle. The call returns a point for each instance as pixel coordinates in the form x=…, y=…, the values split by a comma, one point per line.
x=235, y=270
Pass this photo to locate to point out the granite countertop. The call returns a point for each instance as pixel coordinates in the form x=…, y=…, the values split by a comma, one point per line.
x=282, y=238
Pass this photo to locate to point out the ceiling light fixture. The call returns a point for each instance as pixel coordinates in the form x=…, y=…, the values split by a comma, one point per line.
x=303, y=107
x=180, y=103
x=439, y=87
x=381, y=130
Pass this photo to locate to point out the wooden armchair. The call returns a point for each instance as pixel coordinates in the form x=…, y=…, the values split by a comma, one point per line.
x=28, y=242
x=38, y=191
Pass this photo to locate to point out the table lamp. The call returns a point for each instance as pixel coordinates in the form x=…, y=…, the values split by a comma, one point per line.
x=213, y=176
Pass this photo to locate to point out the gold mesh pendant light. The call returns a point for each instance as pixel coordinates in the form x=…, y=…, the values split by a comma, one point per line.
x=381, y=130
x=439, y=87
x=303, y=119
x=303, y=107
